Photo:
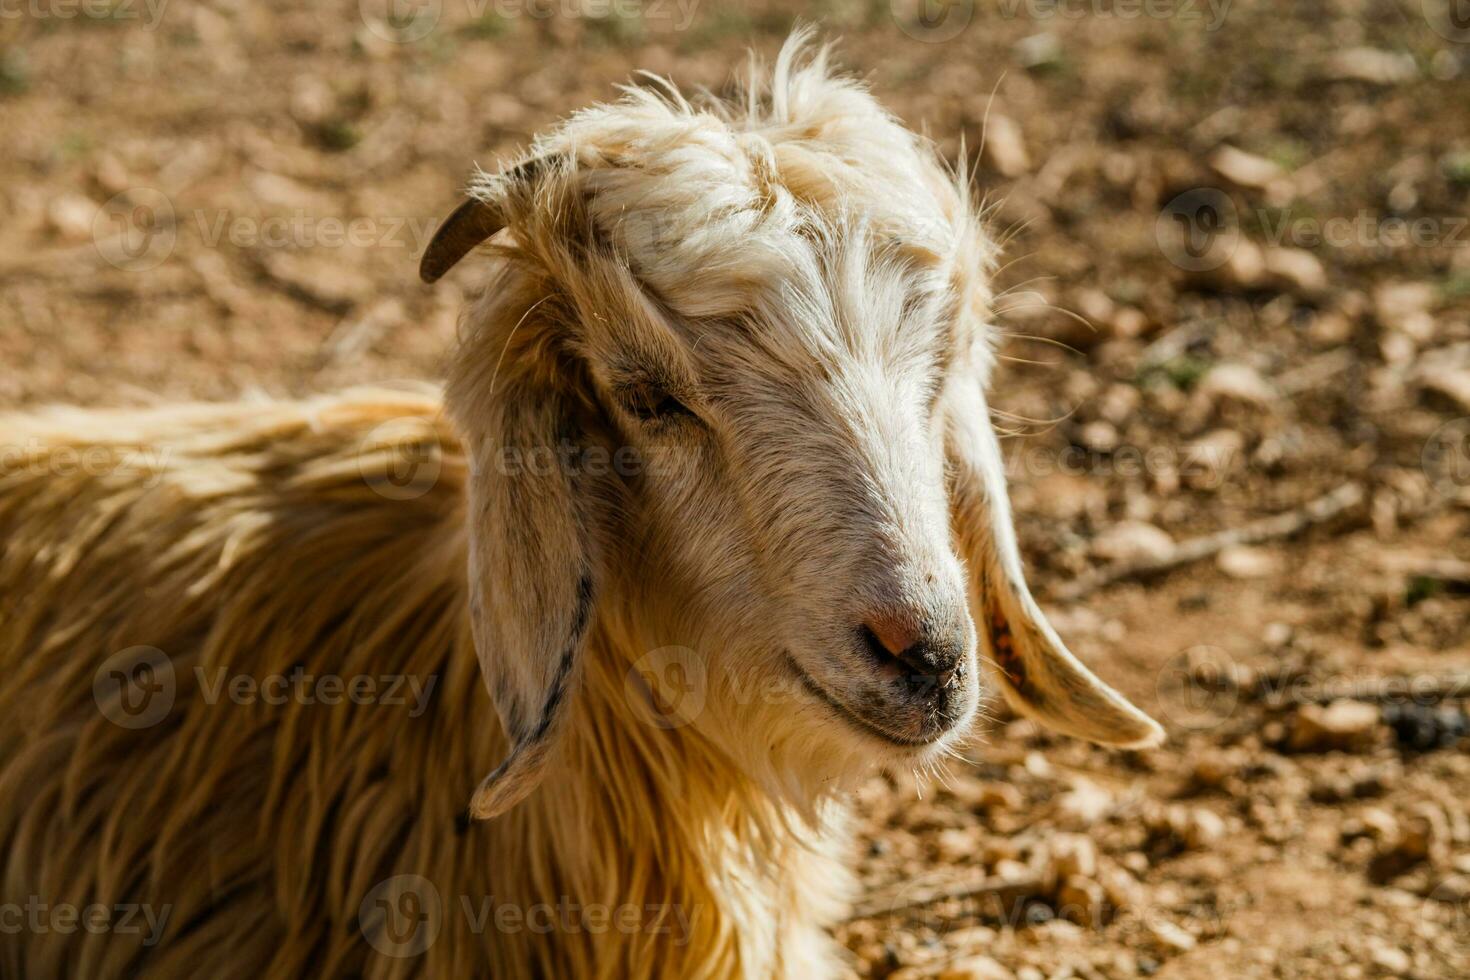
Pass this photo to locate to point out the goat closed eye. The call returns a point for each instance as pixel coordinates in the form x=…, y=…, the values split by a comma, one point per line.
x=651, y=403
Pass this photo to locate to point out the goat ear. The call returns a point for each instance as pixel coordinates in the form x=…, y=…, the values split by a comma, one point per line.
x=531, y=577
x=1038, y=674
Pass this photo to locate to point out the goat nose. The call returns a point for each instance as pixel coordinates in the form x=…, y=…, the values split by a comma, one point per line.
x=895, y=637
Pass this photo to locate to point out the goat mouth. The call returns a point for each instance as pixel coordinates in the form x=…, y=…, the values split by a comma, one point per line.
x=817, y=691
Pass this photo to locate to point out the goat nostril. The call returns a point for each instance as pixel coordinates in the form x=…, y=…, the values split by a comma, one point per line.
x=894, y=634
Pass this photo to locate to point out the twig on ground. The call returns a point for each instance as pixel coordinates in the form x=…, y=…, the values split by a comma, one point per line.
x=895, y=900
x=1324, y=508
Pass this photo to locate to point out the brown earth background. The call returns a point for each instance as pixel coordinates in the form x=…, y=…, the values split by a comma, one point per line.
x=1237, y=280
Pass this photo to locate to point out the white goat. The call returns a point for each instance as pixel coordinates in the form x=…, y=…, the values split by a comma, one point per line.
x=720, y=512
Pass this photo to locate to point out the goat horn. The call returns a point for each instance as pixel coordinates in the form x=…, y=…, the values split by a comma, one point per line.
x=467, y=226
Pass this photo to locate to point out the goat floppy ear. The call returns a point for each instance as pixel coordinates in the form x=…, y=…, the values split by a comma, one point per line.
x=1039, y=675
x=532, y=576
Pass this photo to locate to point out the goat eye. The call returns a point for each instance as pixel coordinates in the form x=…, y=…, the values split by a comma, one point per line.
x=650, y=403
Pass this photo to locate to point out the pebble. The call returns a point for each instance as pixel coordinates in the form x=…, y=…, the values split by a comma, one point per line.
x=1247, y=562
x=1238, y=383
x=1085, y=804
x=1448, y=383
x=1296, y=269
x=1005, y=149
x=1392, y=959
x=1404, y=307
x=1246, y=169
x=1347, y=726
x=1132, y=541
x=1170, y=937
x=977, y=968
x=1372, y=65
x=70, y=216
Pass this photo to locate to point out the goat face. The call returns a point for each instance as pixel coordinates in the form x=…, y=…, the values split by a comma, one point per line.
x=727, y=389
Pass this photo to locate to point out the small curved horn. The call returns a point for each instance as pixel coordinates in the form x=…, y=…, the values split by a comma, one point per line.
x=468, y=225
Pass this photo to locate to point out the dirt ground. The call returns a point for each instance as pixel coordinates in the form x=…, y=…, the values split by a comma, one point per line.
x=1237, y=281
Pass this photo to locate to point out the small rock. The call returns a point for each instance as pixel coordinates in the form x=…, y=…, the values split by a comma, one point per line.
x=1122, y=889
x=1083, y=901
x=1209, y=458
x=1008, y=869
x=1215, y=768
x=1232, y=264
x=1005, y=150
x=1038, y=50
x=1330, y=328
x=1132, y=541
x=1372, y=65
x=1085, y=804
x=955, y=845
x=1391, y=959
x=1277, y=635
x=1095, y=305
x=999, y=796
x=1099, y=436
x=1448, y=383
x=1246, y=562
x=312, y=101
x=1348, y=726
x=1405, y=307
x=1379, y=823
x=1245, y=169
x=71, y=215
x=1203, y=829
x=1170, y=937
x=976, y=968
x=1296, y=269
x=1238, y=383
x=1074, y=854
x=1118, y=403
x=1128, y=322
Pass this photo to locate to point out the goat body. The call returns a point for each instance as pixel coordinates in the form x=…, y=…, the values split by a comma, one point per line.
x=273, y=822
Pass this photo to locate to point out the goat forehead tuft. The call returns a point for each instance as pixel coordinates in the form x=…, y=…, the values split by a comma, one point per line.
x=708, y=200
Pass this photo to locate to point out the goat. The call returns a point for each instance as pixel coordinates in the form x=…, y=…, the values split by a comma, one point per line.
x=711, y=499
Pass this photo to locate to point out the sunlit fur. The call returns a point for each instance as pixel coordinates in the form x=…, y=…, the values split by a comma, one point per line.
x=811, y=283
